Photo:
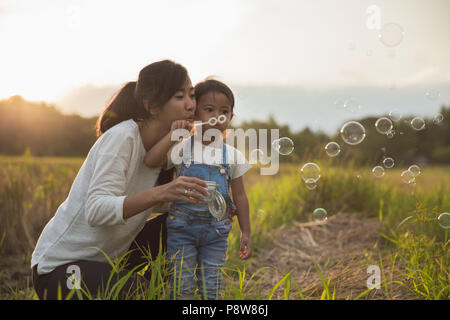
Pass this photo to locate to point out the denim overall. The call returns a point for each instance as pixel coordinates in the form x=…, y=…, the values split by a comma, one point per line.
x=196, y=241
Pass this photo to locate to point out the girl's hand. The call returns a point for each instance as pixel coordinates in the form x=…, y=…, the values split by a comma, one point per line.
x=188, y=189
x=231, y=214
x=181, y=124
x=245, y=251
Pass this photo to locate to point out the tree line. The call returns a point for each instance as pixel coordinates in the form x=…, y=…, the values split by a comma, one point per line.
x=42, y=130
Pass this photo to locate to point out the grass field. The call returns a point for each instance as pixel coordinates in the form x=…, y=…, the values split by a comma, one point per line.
x=412, y=249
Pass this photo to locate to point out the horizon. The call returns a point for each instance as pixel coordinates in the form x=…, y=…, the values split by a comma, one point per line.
x=291, y=105
x=295, y=57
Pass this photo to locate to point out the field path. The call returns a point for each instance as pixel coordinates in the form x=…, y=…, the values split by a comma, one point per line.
x=342, y=247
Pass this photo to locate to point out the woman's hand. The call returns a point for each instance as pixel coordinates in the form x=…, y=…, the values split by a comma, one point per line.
x=181, y=124
x=245, y=250
x=188, y=189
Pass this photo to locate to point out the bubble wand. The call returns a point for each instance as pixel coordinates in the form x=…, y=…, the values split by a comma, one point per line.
x=213, y=120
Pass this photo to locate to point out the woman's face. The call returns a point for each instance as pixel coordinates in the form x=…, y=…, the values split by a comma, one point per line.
x=180, y=107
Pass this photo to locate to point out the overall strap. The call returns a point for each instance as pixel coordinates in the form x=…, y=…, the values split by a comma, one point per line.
x=188, y=155
x=224, y=154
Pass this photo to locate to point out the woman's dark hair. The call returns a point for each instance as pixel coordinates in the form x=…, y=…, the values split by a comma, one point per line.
x=156, y=84
x=211, y=85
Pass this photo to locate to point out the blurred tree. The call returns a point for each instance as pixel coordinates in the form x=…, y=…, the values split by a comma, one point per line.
x=45, y=131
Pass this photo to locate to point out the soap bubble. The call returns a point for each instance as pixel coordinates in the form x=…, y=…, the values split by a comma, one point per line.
x=319, y=215
x=418, y=123
x=310, y=184
x=432, y=94
x=378, y=171
x=415, y=170
x=352, y=105
x=310, y=172
x=353, y=132
x=383, y=125
x=444, y=220
x=391, y=34
x=438, y=118
x=390, y=134
x=395, y=115
x=283, y=146
x=388, y=163
x=286, y=146
x=407, y=177
x=332, y=149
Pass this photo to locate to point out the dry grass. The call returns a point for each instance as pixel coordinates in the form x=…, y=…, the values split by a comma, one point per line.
x=344, y=247
x=32, y=189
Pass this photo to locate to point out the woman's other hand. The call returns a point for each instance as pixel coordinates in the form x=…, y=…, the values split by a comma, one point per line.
x=188, y=189
x=181, y=124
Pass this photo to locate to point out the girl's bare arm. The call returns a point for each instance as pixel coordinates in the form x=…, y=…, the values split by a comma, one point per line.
x=157, y=155
x=241, y=201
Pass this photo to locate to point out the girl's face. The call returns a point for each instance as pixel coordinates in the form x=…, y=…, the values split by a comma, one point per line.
x=214, y=104
x=180, y=107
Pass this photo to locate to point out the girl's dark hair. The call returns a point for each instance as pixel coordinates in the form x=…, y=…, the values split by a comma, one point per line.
x=156, y=84
x=212, y=85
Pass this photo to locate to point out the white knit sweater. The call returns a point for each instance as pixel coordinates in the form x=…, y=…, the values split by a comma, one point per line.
x=91, y=218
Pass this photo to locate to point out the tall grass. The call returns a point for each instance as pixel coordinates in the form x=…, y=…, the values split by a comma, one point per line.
x=408, y=214
x=30, y=192
x=32, y=189
x=277, y=202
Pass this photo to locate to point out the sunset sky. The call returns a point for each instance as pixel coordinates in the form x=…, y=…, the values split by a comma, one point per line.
x=50, y=48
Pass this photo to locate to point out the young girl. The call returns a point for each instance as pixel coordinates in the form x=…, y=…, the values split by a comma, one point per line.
x=197, y=242
x=105, y=213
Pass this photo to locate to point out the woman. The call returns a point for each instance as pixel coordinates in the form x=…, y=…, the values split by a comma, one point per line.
x=114, y=192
